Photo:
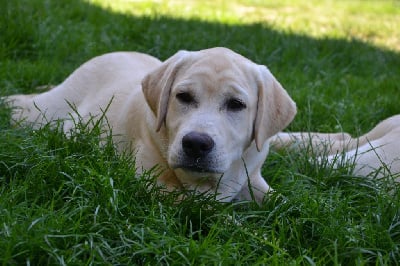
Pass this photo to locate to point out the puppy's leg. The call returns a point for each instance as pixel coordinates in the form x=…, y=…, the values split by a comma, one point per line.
x=23, y=107
x=317, y=143
x=39, y=109
x=380, y=131
x=256, y=189
x=379, y=157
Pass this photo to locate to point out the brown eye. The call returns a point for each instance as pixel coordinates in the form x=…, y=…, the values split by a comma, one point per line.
x=235, y=105
x=185, y=97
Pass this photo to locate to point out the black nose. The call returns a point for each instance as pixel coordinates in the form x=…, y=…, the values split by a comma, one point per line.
x=197, y=145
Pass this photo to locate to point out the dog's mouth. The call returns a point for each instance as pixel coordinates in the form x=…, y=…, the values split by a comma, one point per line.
x=193, y=173
x=198, y=168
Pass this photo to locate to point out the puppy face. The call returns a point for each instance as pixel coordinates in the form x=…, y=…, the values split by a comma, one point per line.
x=210, y=116
x=213, y=104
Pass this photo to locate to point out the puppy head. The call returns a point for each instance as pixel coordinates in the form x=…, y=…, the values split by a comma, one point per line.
x=214, y=104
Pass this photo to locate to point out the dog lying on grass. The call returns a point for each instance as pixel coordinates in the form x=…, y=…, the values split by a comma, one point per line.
x=204, y=118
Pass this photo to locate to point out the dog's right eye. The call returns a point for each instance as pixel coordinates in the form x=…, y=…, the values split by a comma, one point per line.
x=185, y=97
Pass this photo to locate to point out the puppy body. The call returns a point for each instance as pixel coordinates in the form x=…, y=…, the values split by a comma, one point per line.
x=203, y=118
x=375, y=153
x=89, y=89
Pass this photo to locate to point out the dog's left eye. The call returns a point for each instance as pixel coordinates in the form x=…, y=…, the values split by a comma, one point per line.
x=185, y=97
x=235, y=105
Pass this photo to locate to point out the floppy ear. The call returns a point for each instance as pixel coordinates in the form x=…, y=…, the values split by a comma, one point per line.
x=275, y=108
x=156, y=86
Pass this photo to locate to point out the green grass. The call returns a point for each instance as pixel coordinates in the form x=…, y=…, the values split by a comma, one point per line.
x=72, y=201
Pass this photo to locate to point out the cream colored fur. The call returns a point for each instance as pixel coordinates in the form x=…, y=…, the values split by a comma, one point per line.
x=376, y=153
x=235, y=104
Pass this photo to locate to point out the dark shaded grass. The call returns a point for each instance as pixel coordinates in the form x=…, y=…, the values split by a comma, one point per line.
x=74, y=201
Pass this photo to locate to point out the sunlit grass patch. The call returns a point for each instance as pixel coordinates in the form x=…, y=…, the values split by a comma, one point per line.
x=374, y=22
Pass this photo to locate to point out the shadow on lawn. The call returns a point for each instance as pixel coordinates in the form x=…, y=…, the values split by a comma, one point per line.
x=325, y=74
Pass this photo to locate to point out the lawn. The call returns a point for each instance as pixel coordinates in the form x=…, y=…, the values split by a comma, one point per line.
x=71, y=201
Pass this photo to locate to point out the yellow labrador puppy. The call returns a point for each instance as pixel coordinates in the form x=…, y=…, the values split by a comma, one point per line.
x=203, y=117
x=375, y=153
